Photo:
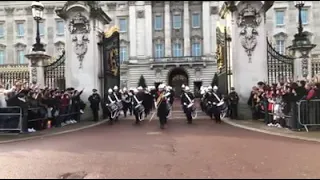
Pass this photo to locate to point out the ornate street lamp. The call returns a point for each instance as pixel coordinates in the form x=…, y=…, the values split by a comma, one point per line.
x=301, y=43
x=37, y=13
x=299, y=5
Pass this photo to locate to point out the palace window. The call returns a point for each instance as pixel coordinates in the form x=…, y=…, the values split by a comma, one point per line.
x=159, y=50
x=176, y=21
x=2, y=30
x=279, y=18
x=177, y=50
x=158, y=22
x=304, y=16
x=2, y=56
x=280, y=46
x=20, y=29
x=41, y=28
x=123, y=25
x=21, y=58
x=196, y=49
x=60, y=27
x=123, y=54
x=196, y=21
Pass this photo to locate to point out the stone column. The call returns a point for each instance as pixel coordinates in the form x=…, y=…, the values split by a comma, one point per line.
x=82, y=50
x=167, y=28
x=249, y=63
x=148, y=28
x=133, y=29
x=309, y=68
x=297, y=67
x=206, y=27
x=10, y=35
x=302, y=65
x=186, y=29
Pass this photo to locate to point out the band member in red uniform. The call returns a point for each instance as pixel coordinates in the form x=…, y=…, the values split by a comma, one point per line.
x=162, y=105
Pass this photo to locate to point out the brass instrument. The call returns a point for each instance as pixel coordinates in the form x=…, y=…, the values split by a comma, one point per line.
x=159, y=100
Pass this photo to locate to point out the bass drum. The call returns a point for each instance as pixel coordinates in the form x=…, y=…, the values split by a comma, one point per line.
x=194, y=112
x=223, y=110
x=139, y=109
x=114, y=110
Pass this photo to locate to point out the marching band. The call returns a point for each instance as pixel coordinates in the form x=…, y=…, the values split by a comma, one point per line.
x=140, y=102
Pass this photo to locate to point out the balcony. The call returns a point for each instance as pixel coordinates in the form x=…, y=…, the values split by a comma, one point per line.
x=181, y=61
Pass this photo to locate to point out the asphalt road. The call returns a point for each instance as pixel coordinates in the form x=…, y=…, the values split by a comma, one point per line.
x=201, y=150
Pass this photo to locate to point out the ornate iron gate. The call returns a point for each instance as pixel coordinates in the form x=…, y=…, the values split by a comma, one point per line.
x=111, y=59
x=9, y=74
x=222, y=60
x=54, y=73
x=280, y=67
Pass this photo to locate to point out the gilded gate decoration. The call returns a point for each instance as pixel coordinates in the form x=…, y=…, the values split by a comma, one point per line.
x=222, y=59
x=111, y=58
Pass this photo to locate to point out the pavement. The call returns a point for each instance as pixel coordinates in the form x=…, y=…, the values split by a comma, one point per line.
x=203, y=149
x=259, y=126
x=9, y=138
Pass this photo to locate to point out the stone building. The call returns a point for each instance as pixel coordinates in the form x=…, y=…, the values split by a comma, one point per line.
x=172, y=42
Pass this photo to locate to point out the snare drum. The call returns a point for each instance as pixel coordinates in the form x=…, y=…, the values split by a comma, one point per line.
x=113, y=107
x=139, y=108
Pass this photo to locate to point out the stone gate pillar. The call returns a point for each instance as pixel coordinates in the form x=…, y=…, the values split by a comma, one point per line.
x=36, y=69
x=249, y=44
x=85, y=22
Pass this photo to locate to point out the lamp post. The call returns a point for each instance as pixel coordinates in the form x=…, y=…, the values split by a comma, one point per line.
x=299, y=5
x=37, y=13
x=301, y=48
x=38, y=55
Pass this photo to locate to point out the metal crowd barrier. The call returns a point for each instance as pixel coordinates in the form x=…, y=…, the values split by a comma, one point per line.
x=11, y=119
x=309, y=113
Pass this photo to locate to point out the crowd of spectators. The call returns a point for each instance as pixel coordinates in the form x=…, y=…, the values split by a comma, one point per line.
x=41, y=108
x=277, y=100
